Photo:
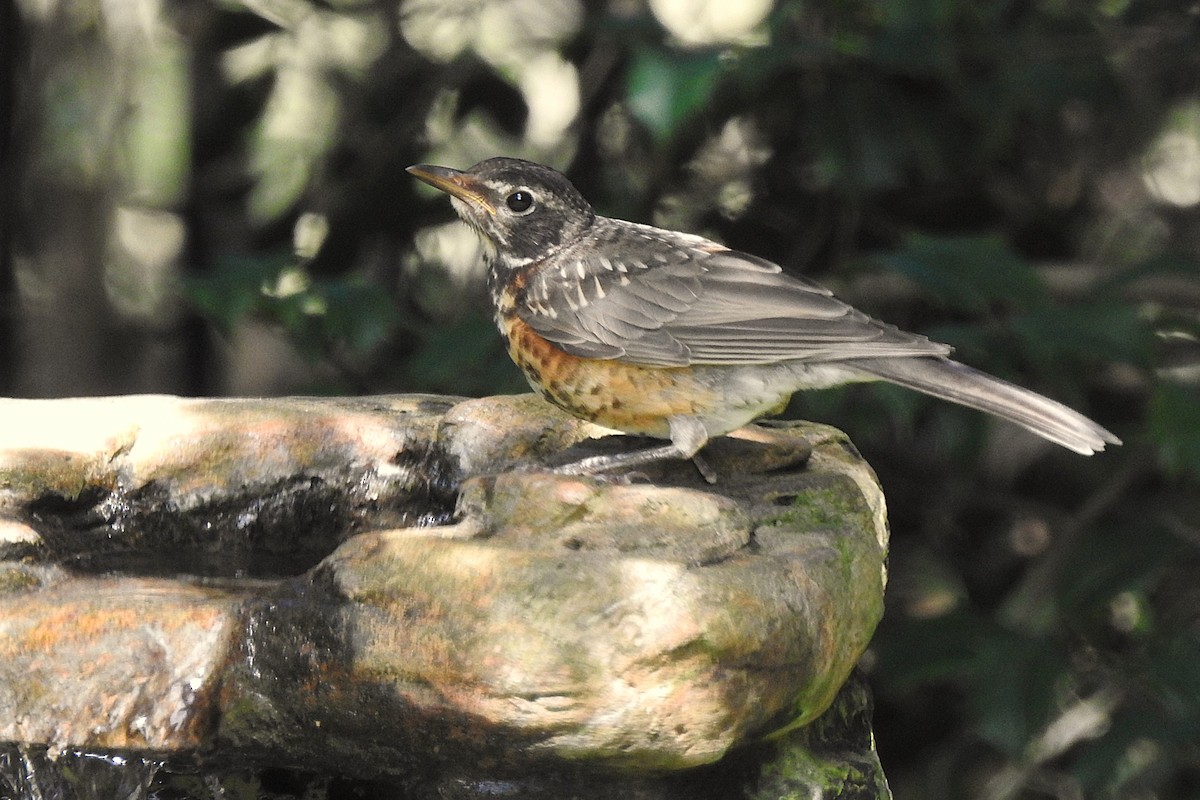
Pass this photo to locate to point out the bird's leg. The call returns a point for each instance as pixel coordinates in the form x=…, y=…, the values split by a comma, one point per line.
x=706, y=472
x=608, y=463
x=688, y=435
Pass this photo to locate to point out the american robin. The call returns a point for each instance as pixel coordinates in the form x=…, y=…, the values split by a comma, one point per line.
x=671, y=335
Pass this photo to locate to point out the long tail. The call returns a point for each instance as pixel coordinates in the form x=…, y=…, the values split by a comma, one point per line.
x=966, y=386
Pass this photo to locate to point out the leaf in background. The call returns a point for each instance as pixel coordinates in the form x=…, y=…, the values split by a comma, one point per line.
x=1171, y=671
x=1164, y=264
x=1157, y=725
x=1134, y=758
x=859, y=146
x=1013, y=694
x=317, y=315
x=234, y=289
x=358, y=315
x=915, y=38
x=463, y=358
x=969, y=272
x=664, y=90
x=914, y=651
x=1174, y=425
x=1102, y=566
x=1103, y=330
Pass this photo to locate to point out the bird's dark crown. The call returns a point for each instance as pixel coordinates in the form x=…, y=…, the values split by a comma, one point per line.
x=526, y=211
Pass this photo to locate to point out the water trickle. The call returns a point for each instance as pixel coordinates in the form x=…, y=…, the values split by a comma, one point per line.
x=35, y=772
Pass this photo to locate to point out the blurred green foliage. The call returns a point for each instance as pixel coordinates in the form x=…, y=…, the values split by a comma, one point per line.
x=321, y=317
x=1174, y=426
x=1016, y=179
x=665, y=90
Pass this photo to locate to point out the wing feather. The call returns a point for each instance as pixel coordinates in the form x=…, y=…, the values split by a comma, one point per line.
x=697, y=303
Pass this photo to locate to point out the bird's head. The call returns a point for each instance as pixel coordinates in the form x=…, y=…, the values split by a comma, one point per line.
x=521, y=210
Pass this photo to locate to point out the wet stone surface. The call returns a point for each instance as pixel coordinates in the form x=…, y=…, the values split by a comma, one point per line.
x=386, y=591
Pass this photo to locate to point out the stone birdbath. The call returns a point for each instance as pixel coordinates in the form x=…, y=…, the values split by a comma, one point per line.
x=196, y=594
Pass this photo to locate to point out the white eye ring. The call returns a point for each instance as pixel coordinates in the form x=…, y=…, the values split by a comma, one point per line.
x=521, y=202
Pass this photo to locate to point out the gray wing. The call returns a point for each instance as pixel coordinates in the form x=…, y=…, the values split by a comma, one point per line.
x=688, y=301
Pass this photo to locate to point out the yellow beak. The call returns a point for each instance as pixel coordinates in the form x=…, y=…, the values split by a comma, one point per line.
x=453, y=182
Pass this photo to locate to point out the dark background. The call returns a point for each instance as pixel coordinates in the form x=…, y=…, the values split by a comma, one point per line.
x=209, y=198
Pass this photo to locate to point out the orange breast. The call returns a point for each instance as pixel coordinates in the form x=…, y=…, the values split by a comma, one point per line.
x=626, y=397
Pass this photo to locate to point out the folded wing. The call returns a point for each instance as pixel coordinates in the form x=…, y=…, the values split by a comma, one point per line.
x=690, y=302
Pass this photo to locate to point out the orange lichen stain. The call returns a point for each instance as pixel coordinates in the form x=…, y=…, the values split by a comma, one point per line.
x=59, y=622
x=70, y=623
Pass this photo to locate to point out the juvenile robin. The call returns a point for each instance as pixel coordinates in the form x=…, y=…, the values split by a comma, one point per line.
x=671, y=335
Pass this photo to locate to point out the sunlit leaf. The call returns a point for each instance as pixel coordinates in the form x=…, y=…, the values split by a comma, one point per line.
x=1108, y=762
x=234, y=289
x=296, y=129
x=317, y=315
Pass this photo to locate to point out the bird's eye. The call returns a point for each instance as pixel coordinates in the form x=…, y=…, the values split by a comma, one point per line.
x=520, y=202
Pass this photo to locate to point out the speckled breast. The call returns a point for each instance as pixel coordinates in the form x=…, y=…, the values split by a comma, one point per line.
x=626, y=397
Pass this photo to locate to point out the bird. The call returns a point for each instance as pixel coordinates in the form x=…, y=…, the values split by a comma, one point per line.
x=672, y=336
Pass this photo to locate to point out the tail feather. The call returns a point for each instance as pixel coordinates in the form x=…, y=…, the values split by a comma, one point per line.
x=958, y=383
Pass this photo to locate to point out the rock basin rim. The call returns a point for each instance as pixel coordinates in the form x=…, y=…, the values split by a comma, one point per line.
x=430, y=604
